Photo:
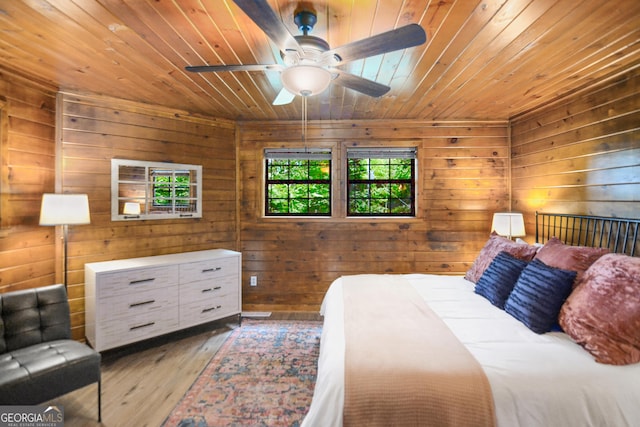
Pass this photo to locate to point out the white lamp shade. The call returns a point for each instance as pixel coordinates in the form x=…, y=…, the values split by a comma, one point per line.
x=306, y=80
x=508, y=224
x=131, y=208
x=61, y=209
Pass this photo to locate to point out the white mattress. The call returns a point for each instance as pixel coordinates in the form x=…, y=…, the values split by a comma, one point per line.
x=536, y=380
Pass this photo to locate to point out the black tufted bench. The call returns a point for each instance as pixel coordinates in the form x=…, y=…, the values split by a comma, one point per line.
x=38, y=359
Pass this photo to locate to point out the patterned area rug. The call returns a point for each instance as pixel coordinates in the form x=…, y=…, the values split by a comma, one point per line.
x=263, y=375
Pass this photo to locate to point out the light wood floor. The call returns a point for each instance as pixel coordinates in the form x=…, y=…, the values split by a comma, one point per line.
x=142, y=384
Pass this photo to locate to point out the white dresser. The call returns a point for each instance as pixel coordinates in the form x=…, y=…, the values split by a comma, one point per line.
x=134, y=299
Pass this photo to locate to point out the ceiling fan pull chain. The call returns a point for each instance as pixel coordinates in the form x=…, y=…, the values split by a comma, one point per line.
x=304, y=122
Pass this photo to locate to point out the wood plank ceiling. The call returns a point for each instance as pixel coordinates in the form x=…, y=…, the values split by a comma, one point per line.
x=489, y=59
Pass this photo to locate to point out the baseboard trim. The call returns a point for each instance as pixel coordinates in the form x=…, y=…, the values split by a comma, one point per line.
x=260, y=314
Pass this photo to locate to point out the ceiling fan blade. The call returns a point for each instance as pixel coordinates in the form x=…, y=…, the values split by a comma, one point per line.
x=284, y=97
x=362, y=85
x=248, y=67
x=400, y=38
x=263, y=15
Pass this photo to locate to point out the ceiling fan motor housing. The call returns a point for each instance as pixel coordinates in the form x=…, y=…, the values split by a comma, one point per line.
x=312, y=48
x=312, y=43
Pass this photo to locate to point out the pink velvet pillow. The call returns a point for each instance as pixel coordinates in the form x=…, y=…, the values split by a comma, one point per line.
x=556, y=254
x=603, y=313
x=493, y=247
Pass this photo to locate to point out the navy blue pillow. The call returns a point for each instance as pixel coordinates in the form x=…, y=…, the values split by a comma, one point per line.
x=539, y=294
x=498, y=280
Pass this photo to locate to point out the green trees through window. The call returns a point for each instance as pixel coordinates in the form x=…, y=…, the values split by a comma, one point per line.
x=170, y=186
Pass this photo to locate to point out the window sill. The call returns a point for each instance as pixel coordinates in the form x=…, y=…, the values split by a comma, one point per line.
x=333, y=219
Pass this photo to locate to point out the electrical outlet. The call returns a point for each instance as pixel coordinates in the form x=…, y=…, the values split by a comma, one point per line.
x=254, y=281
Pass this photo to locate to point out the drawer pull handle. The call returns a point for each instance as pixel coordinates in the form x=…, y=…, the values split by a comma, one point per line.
x=137, y=282
x=185, y=215
x=209, y=270
x=142, y=326
x=137, y=304
x=211, y=309
x=212, y=289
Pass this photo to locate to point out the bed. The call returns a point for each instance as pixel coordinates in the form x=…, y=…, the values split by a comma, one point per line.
x=580, y=368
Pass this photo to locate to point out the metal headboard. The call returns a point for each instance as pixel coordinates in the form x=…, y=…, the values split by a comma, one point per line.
x=620, y=235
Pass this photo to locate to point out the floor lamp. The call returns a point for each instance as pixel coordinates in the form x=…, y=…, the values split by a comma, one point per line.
x=64, y=210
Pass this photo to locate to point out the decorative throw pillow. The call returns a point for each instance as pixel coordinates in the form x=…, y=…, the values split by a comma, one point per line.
x=539, y=294
x=554, y=253
x=603, y=313
x=498, y=280
x=493, y=247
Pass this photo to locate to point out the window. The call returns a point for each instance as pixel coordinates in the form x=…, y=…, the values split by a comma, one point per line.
x=381, y=181
x=155, y=190
x=298, y=182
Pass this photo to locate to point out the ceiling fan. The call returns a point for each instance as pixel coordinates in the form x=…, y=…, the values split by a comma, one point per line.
x=309, y=63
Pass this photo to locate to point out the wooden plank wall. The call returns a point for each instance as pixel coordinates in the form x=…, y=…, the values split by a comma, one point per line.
x=462, y=180
x=95, y=130
x=27, y=157
x=582, y=154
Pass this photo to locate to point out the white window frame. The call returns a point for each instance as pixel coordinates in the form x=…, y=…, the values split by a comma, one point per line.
x=145, y=194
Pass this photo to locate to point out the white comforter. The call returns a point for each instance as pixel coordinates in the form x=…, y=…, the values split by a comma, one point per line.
x=536, y=380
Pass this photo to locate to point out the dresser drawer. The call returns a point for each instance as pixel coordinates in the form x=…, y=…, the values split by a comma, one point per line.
x=209, y=309
x=136, y=280
x=138, y=303
x=208, y=289
x=208, y=269
x=118, y=332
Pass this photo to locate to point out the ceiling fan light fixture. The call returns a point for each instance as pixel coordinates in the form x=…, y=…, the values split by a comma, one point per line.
x=306, y=80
